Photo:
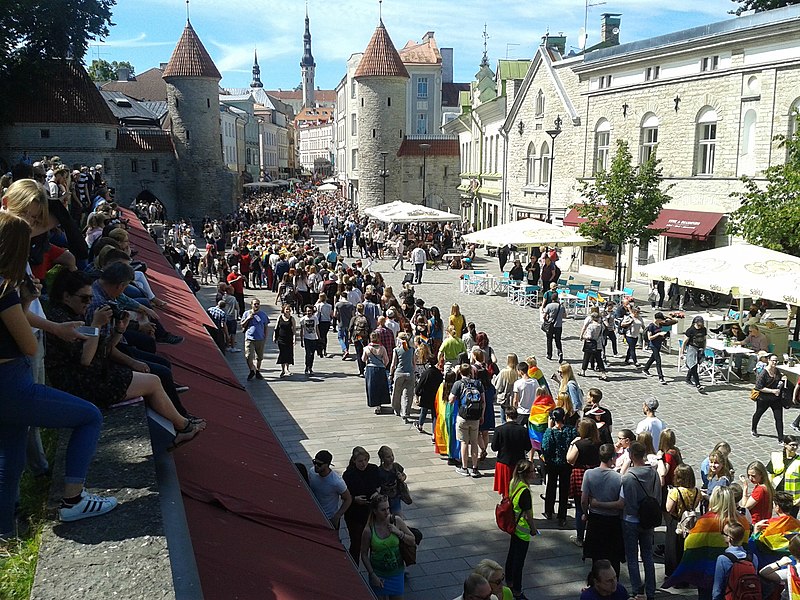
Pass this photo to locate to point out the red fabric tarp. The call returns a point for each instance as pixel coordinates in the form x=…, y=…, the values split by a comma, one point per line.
x=255, y=528
x=689, y=224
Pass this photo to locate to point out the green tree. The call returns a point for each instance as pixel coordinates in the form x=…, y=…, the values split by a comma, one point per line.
x=101, y=70
x=770, y=215
x=622, y=203
x=760, y=5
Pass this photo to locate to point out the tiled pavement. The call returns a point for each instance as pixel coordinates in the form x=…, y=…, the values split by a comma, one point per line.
x=456, y=514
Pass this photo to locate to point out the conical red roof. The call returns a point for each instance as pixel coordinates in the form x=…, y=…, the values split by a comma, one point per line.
x=381, y=58
x=190, y=58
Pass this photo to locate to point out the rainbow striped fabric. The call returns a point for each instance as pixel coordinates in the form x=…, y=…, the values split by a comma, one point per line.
x=772, y=544
x=444, y=432
x=794, y=583
x=700, y=551
x=536, y=373
x=537, y=420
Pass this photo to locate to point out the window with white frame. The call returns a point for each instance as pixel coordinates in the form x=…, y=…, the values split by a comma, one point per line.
x=794, y=111
x=422, y=123
x=530, y=164
x=604, y=82
x=422, y=87
x=353, y=124
x=652, y=73
x=709, y=63
x=544, y=162
x=354, y=159
x=540, y=104
x=706, y=141
x=648, y=138
x=602, y=144
x=496, y=152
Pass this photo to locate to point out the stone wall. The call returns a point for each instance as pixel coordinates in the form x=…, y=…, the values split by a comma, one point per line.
x=161, y=182
x=441, y=181
x=381, y=125
x=75, y=144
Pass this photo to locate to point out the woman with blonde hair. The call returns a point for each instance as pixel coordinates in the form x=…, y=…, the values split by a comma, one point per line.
x=583, y=454
x=493, y=572
x=705, y=543
x=457, y=320
x=570, y=385
x=564, y=401
x=504, y=384
x=759, y=501
x=380, y=550
x=28, y=199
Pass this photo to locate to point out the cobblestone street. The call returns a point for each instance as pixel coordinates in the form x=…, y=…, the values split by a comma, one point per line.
x=456, y=514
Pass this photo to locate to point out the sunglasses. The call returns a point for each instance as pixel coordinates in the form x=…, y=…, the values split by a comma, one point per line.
x=85, y=298
x=318, y=463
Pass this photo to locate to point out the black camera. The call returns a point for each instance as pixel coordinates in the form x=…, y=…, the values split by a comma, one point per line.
x=117, y=314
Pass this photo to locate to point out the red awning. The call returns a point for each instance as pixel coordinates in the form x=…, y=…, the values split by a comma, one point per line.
x=256, y=531
x=573, y=219
x=687, y=224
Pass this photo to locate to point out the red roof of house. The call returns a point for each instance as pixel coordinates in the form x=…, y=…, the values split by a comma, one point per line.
x=381, y=59
x=190, y=58
x=65, y=94
x=438, y=147
x=421, y=53
x=255, y=528
x=144, y=140
x=146, y=86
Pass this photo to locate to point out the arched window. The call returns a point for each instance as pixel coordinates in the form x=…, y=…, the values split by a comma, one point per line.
x=794, y=112
x=706, y=141
x=648, y=138
x=496, y=152
x=544, y=170
x=602, y=141
x=540, y=104
x=749, y=132
x=531, y=164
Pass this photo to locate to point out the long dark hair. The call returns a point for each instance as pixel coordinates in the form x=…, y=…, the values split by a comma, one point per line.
x=437, y=318
x=68, y=282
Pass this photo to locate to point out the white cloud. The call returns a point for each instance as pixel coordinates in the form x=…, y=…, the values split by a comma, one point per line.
x=140, y=41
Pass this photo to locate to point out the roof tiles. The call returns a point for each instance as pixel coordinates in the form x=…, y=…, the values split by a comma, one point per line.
x=144, y=140
x=439, y=146
x=190, y=58
x=146, y=86
x=381, y=59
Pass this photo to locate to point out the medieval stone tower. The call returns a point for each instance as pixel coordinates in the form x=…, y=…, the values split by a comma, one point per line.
x=382, y=78
x=205, y=186
x=307, y=66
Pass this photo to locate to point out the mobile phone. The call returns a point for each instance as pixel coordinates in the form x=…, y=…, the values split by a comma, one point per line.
x=28, y=282
x=88, y=331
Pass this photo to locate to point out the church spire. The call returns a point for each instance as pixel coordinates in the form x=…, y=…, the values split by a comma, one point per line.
x=307, y=66
x=485, y=59
x=256, y=83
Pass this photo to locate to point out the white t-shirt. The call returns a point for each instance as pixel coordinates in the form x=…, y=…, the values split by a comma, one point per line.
x=327, y=490
x=418, y=256
x=526, y=389
x=308, y=325
x=652, y=424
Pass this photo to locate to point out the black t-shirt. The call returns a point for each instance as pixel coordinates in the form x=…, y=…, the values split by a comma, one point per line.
x=696, y=336
x=525, y=500
x=653, y=329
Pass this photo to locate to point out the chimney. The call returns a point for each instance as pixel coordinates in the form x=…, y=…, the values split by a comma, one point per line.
x=123, y=73
x=162, y=65
x=556, y=42
x=609, y=29
x=447, y=65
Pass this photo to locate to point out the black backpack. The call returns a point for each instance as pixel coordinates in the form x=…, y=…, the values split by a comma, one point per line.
x=470, y=408
x=649, y=509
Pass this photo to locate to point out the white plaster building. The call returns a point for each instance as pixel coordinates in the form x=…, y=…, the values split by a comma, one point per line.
x=710, y=99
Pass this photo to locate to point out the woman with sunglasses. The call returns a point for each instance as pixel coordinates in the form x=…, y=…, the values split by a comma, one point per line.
x=769, y=385
x=95, y=369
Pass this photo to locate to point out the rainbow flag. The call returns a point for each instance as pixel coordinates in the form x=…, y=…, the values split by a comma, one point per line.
x=536, y=373
x=772, y=544
x=537, y=420
x=444, y=431
x=700, y=551
x=794, y=582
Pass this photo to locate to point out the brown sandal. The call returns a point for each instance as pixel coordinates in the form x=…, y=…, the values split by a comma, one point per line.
x=187, y=434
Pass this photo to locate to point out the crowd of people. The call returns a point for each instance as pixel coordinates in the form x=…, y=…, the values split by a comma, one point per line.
x=76, y=308
x=551, y=431
x=621, y=484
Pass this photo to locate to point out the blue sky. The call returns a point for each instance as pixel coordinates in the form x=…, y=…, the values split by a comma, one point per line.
x=146, y=31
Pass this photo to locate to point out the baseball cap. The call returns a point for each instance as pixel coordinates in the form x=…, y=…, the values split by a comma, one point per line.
x=651, y=403
x=324, y=457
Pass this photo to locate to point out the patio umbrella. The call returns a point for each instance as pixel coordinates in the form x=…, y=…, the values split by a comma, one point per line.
x=327, y=187
x=527, y=233
x=405, y=212
x=742, y=270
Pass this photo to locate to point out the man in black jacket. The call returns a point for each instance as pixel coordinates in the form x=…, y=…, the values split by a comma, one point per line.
x=511, y=442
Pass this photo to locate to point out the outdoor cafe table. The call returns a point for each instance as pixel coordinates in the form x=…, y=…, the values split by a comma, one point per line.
x=791, y=372
x=719, y=346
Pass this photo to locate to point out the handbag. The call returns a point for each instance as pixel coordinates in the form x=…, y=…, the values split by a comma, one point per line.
x=409, y=553
x=754, y=394
x=589, y=345
x=546, y=326
x=402, y=490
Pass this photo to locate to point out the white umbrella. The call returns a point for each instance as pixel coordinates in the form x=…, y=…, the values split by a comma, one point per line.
x=327, y=187
x=405, y=212
x=742, y=270
x=527, y=233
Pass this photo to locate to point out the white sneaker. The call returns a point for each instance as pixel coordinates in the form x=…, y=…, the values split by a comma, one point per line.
x=235, y=349
x=89, y=505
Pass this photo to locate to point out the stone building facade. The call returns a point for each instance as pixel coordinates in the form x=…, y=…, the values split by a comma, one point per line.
x=381, y=78
x=429, y=171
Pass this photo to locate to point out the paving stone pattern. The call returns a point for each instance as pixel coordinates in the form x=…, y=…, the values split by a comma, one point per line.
x=456, y=514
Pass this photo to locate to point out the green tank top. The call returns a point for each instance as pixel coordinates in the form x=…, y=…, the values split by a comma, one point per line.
x=385, y=555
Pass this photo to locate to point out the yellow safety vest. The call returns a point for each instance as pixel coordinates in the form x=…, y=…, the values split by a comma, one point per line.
x=523, y=530
x=788, y=474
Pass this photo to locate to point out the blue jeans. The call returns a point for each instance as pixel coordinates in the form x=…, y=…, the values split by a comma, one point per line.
x=24, y=403
x=630, y=355
x=639, y=540
x=423, y=412
x=341, y=335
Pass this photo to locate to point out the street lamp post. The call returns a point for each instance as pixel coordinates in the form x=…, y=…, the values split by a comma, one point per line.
x=424, y=148
x=384, y=174
x=553, y=133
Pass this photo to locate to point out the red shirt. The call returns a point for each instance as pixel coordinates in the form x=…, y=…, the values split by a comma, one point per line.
x=763, y=508
x=238, y=286
x=48, y=260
